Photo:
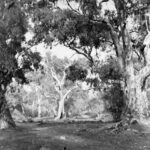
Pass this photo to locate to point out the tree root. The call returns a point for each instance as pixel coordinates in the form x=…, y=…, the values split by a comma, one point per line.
x=122, y=125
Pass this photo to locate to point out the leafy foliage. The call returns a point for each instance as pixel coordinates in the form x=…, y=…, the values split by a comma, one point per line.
x=109, y=71
x=84, y=31
x=76, y=72
x=114, y=99
x=12, y=32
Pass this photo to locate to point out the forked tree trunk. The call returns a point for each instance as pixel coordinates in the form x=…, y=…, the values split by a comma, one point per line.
x=61, y=105
x=6, y=120
x=59, y=88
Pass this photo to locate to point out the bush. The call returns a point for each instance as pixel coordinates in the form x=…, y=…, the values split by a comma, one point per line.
x=114, y=100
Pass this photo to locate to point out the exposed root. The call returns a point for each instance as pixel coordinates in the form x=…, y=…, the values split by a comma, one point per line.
x=123, y=125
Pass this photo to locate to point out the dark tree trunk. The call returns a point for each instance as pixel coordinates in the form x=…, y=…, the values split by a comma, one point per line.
x=6, y=120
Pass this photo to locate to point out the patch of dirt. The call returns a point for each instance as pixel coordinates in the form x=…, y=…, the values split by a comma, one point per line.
x=72, y=136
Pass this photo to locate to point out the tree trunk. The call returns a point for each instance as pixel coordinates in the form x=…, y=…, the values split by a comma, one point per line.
x=38, y=94
x=135, y=91
x=61, y=107
x=6, y=120
x=61, y=111
x=22, y=107
x=33, y=108
x=39, y=106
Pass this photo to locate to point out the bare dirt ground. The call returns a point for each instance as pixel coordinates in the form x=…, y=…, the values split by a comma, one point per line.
x=72, y=136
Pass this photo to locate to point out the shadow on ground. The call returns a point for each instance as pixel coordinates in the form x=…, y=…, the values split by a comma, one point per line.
x=71, y=136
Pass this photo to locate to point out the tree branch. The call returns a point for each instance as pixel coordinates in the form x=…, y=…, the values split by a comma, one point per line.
x=55, y=78
x=137, y=53
x=113, y=34
x=77, y=51
x=144, y=82
x=70, y=90
x=143, y=75
x=63, y=78
x=72, y=8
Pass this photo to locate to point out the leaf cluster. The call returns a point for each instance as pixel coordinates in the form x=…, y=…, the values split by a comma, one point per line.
x=13, y=26
x=76, y=72
x=109, y=71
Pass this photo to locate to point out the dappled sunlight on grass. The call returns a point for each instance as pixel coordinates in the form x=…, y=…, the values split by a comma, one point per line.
x=70, y=139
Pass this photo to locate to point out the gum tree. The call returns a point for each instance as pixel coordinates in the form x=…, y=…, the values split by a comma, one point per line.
x=64, y=77
x=15, y=59
x=89, y=26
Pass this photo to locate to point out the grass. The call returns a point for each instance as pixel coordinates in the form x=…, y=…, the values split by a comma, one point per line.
x=71, y=136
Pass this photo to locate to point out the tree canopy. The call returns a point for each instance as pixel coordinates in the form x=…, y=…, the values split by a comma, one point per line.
x=90, y=27
x=14, y=25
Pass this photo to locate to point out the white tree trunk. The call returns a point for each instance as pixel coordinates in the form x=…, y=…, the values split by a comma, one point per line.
x=61, y=107
x=39, y=107
x=61, y=110
x=136, y=96
x=39, y=102
x=22, y=107
x=59, y=88
x=33, y=107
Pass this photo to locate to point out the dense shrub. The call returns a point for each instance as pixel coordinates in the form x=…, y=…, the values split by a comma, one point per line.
x=111, y=77
x=113, y=98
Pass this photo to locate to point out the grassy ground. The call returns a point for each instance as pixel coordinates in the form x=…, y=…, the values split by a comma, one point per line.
x=72, y=136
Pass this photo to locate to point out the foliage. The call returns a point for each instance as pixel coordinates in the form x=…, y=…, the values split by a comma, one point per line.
x=85, y=31
x=109, y=71
x=111, y=78
x=89, y=28
x=14, y=95
x=114, y=100
x=12, y=31
x=76, y=72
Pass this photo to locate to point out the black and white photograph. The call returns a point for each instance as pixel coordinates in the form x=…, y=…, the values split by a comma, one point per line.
x=74, y=74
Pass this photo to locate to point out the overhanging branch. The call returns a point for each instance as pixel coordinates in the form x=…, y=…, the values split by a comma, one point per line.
x=89, y=57
x=113, y=34
x=72, y=8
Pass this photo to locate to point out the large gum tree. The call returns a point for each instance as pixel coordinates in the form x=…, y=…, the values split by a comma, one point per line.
x=15, y=59
x=65, y=78
x=88, y=26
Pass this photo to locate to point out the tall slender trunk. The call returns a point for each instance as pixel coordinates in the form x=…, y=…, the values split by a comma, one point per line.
x=6, y=119
x=39, y=105
x=33, y=107
x=22, y=107
x=38, y=100
x=61, y=111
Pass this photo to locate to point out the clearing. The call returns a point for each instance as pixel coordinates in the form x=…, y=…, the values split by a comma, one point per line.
x=73, y=136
